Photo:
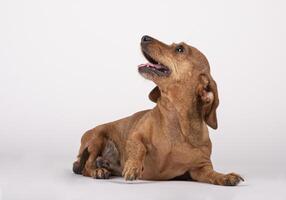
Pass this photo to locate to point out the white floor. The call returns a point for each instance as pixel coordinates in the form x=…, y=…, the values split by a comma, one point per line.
x=50, y=177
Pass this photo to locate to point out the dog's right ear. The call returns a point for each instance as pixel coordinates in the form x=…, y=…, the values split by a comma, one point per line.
x=207, y=91
x=155, y=94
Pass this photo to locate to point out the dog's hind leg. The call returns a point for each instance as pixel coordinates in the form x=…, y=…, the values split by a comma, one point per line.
x=110, y=159
x=83, y=154
x=78, y=165
x=92, y=143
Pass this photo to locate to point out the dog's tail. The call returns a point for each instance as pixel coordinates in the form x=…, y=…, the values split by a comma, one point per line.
x=78, y=166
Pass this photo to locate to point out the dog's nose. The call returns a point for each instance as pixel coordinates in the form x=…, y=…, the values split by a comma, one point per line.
x=146, y=39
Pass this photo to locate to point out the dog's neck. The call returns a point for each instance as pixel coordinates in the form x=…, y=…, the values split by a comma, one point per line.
x=185, y=118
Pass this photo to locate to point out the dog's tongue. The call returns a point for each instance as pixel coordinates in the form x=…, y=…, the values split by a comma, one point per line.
x=150, y=65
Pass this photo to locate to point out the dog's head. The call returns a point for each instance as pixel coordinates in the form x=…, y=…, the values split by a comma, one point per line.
x=182, y=74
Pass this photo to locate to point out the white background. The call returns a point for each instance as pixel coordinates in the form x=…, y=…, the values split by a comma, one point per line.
x=66, y=66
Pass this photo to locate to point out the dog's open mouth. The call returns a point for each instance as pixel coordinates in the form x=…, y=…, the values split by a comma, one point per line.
x=153, y=67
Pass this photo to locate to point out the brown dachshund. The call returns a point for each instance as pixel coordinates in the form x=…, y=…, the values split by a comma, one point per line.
x=169, y=140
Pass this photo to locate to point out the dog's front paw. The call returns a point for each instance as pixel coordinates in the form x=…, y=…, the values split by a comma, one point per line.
x=132, y=170
x=231, y=179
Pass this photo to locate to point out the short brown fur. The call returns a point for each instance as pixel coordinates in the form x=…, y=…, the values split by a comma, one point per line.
x=170, y=139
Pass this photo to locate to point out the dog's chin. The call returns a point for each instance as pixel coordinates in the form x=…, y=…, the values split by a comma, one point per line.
x=146, y=75
x=149, y=71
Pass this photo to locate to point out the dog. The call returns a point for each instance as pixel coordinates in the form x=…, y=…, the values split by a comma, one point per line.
x=169, y=140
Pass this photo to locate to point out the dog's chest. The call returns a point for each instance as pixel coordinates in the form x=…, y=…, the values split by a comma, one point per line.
x=170, y=160
x=173, y=152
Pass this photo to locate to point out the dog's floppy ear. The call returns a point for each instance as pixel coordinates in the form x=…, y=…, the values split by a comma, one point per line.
x=155, y=94
x=208, y=95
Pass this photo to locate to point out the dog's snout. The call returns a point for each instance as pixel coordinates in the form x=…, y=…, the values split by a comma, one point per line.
x=146, y=39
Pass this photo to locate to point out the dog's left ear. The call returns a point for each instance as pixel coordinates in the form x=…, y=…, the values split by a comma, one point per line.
x=208, y=98
x=155, y=94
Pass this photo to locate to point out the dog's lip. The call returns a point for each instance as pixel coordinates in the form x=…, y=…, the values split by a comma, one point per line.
x=157, y=69
x=153, y=66
x=148, y=57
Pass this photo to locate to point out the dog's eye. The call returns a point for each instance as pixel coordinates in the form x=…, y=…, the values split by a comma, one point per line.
x=180, y=49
